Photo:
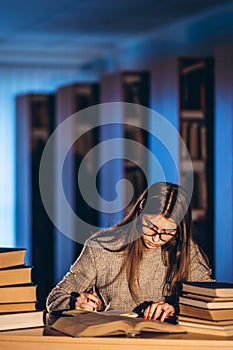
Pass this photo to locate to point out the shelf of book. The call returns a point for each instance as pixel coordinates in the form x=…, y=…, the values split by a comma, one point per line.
x=70, y=99
x=34, y=125
x=196, y=103
x=132, y=87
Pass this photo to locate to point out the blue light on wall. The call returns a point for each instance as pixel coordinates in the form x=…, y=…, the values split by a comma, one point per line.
x=15, y=81
x=109, y=175
x=7, y=174
x=223, y=169
x=166, y=153
x=164, y=100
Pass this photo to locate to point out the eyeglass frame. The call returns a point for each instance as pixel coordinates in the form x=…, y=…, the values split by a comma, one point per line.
x=158, y=232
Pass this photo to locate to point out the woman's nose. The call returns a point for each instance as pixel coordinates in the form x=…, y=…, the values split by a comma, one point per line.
x=155, y=238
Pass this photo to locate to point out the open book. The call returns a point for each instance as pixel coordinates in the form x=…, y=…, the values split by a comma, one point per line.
x=97, y=324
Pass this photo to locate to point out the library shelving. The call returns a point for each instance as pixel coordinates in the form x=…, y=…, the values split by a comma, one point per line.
x=34, y=230
x=131, y=86
x=196, y=106
x=71, y=99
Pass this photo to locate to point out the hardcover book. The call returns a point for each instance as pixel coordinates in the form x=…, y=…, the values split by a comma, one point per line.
x=15, y=275
x=206, y=298
x=21, y=320
x=17, y=307
x=206, y=304
x=11, y=257
x=222, y=330
x=18, y=293
x=213, y=289
x=202, y=321
x=215, y=315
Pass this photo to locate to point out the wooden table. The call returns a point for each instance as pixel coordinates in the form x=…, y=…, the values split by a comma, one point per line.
x=36, y=339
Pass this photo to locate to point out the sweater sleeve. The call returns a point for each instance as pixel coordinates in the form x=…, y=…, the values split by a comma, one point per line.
x=81, y=276
x=199, y=269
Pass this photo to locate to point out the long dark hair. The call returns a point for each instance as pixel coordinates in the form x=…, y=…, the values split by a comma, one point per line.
x=171, y=201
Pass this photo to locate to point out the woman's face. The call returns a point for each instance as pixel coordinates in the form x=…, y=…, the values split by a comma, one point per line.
x=157, y=230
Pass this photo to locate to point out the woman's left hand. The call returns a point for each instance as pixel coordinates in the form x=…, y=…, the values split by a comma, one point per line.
x=159, y=310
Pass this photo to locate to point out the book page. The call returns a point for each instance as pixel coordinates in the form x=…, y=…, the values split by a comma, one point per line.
x=115, y=312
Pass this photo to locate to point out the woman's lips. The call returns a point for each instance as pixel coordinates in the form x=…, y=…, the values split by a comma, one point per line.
x=153, y=244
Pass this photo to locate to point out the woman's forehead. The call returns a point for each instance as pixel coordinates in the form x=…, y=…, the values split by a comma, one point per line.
x=158, y=220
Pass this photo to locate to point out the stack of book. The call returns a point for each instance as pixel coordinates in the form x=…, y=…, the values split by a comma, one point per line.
x=17, y=292
x=207, y=307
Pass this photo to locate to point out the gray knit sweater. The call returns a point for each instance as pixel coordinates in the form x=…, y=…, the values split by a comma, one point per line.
x=97, y=266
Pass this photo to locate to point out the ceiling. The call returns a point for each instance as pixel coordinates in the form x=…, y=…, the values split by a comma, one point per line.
x=85, y=32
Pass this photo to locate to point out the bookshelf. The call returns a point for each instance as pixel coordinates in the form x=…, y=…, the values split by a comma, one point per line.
x=34, y=124
x=132, y=87
x=135, y=89
x=196, y=101
x=69, y=100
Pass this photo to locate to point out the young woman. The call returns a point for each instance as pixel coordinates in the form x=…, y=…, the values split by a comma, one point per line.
x=140, y=263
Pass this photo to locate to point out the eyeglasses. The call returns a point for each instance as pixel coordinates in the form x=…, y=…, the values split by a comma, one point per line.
x=163, y=234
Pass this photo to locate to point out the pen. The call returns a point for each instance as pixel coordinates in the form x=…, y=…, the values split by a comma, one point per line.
x=107, y=307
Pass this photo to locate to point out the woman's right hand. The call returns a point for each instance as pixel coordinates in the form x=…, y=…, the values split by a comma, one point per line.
x=88, y=301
